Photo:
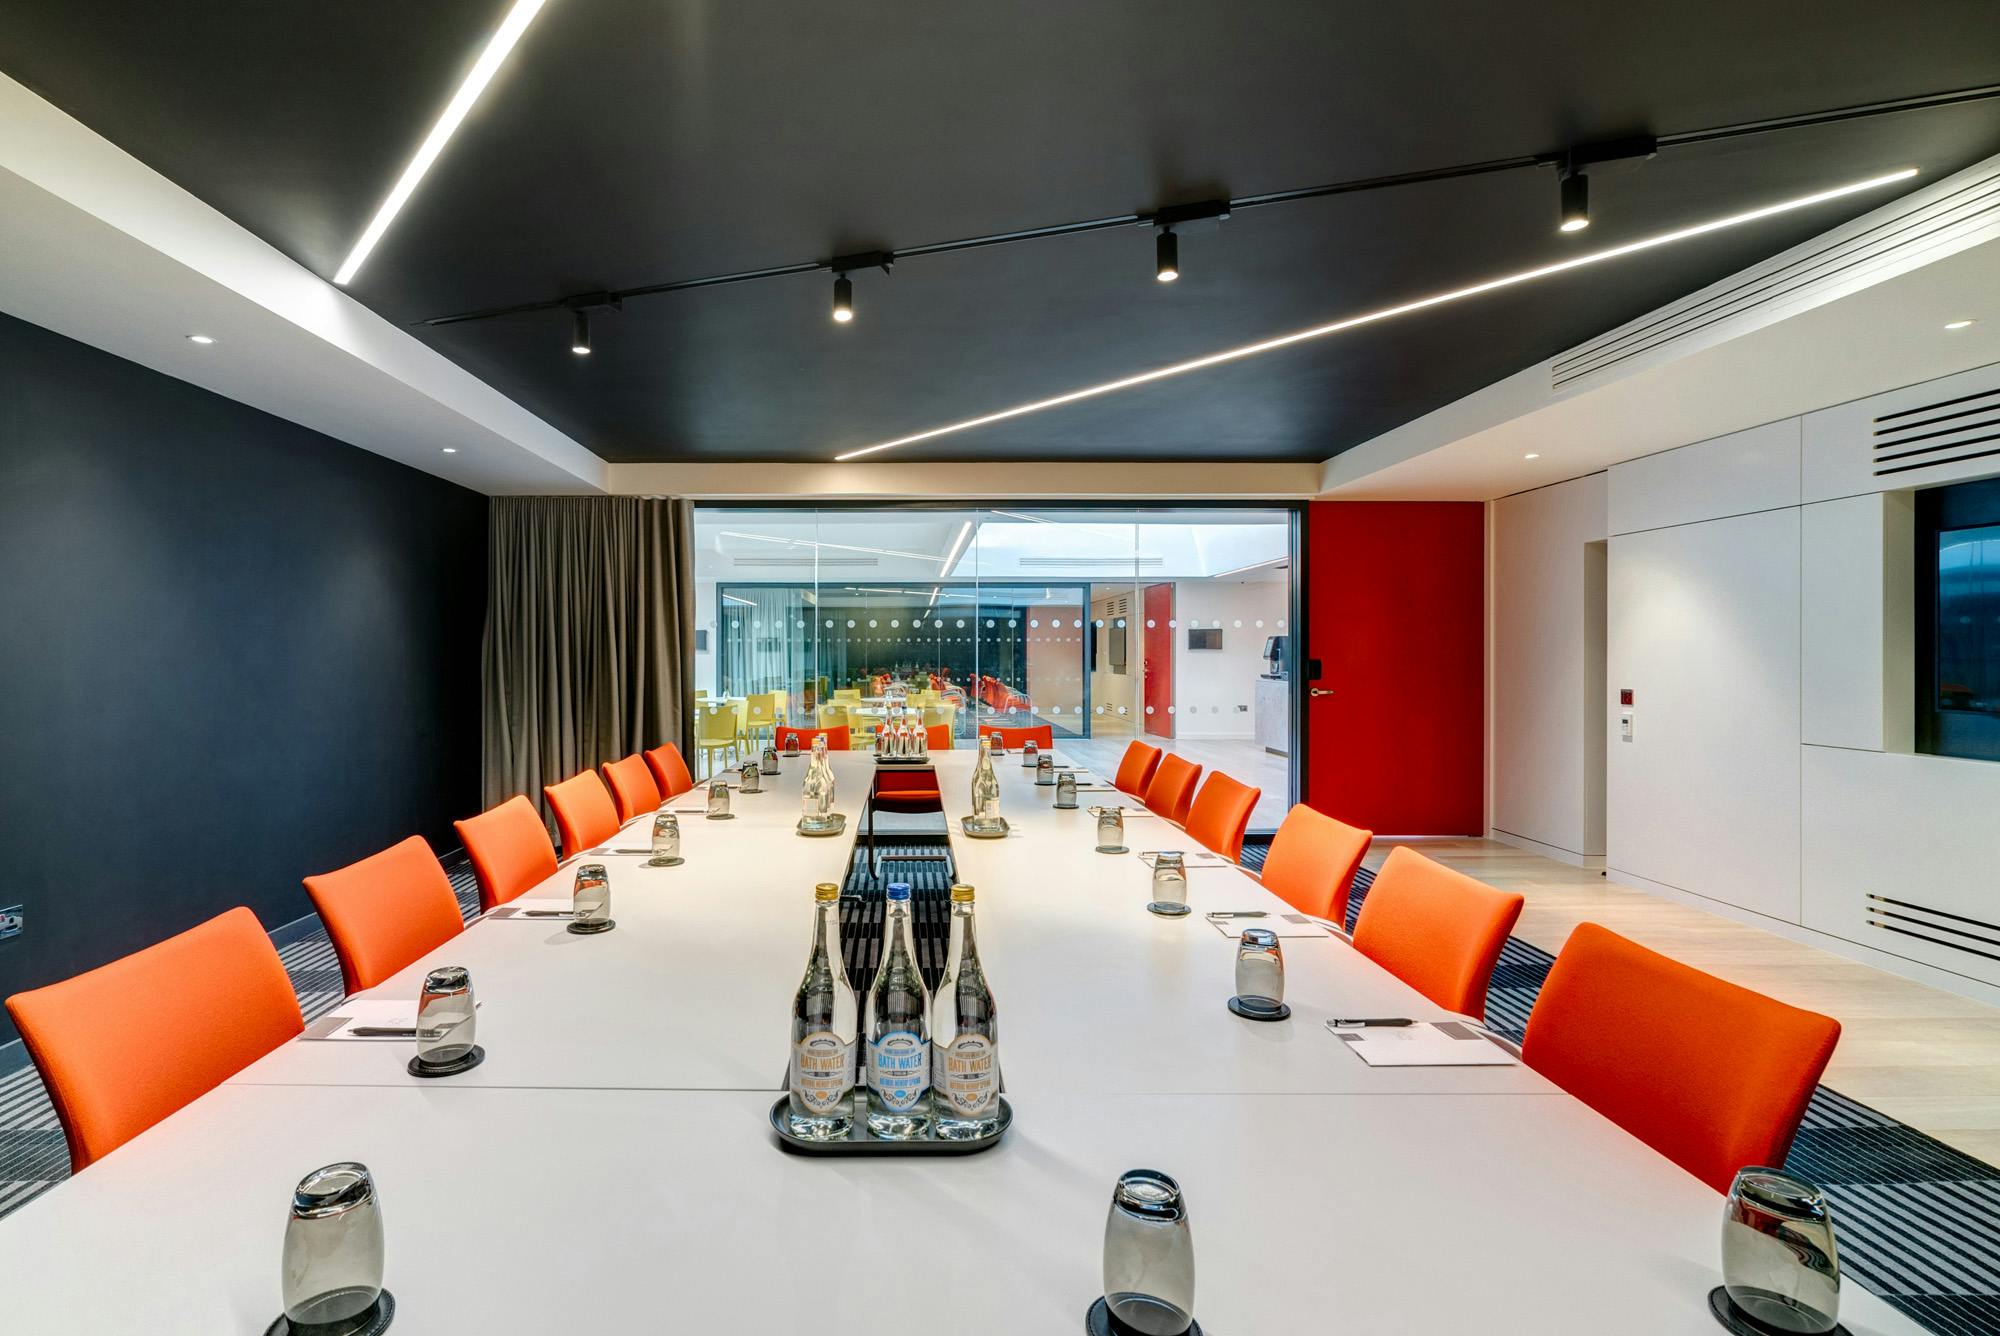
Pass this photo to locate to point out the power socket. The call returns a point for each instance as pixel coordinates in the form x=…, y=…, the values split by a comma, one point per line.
x=12, y=920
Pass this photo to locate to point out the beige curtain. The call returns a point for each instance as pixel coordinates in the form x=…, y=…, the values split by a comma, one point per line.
x=589, y=635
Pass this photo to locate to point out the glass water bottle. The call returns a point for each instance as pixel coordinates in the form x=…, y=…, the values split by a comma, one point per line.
x=816, y=797
x=899, y=1050
x=965, y=1038
x=824, y=1026
x=985, y=790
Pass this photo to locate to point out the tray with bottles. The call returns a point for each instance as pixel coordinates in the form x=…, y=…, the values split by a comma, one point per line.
x=860, y=1141
x=914, y=758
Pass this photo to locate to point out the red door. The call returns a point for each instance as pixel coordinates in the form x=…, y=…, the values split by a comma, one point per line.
x=1395, y=741
x=1158, y=606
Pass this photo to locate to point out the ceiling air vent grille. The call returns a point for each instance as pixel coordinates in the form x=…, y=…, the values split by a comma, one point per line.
x=1950, y=431
x=1975, y=937
x=1889, y=236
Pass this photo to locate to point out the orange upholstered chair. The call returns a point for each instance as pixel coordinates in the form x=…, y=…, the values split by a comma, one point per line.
x=386, y=910
x=1312, y=862
x=584, y=811
x=671, y=775
x=837, y=739
x=1170, y=791
x=1437, y=930
x=632, y=787
x=1221, y=813
x=509, y=848
x=1713, y=1076
x=128, y=1043
x=937, y=737
x=1136, y=770
x=1013, y=739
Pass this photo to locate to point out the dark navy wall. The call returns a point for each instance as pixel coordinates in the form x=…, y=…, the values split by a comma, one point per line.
x=233, y=651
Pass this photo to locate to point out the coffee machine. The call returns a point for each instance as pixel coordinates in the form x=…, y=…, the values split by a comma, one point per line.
x=1276, y=653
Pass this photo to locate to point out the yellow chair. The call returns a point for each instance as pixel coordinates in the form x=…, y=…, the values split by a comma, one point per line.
x=848, y=695
x=834, y=716
x=782, y=706
x=761, y=717
x=946, y=715
x=715, y=730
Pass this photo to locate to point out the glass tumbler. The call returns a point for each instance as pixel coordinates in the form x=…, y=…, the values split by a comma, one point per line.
x=718, y=799
x=590, y=901
x=750, y=775
x=1030, y=753
x=1779, y=1262
x=791, y=744
x=1169, y=883
x=445, y=1017
x=1111, y=830
x=1066, y=789
x=333, y=1248
x=666, y=840
x=1045, y=770
x=1260, y=969
x=770, y=756
x=1149, y=1255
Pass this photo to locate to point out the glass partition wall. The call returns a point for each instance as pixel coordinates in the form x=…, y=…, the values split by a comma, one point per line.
x=1170, y=625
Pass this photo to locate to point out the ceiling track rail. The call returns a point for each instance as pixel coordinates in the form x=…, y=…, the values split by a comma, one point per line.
x=1581, y=155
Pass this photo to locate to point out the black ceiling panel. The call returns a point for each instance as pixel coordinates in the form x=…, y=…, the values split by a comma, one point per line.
x=631, y=142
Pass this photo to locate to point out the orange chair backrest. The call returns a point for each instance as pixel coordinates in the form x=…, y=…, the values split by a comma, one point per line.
x=122, y=1046
x=386, y=910
x=632, y=788
x=1013, y=739
x=1170, y=791
x=585, y=814
x=1136, y=770
x=938, y=737
x=509, y=848
x=1312, y=861
x=1713, y=1076
x=671, y=775
x=1221, y=813
x=837, y=739
x=1437, y=930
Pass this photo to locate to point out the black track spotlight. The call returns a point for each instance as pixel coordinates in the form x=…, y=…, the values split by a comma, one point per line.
x=1167, y=256
x=843, y=300
x=1575, y=200
x=579, y=333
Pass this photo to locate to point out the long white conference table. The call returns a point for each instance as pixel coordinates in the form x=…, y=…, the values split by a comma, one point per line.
x=610, y=1166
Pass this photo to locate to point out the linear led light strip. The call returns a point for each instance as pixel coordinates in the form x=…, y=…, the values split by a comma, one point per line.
x=839, y=547
x=502, y=42
x=1390, y=312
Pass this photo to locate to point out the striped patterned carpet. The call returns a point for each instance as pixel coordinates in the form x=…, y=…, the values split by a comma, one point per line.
x=1919, y=1222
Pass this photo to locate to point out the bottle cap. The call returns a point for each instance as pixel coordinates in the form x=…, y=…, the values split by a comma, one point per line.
x=826, y=890
x=961, y=894
x=899, y=890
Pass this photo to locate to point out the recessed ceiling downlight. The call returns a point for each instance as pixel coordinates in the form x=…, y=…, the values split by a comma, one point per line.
x=1389, y=312
x=1956, y=325
x=203, y=339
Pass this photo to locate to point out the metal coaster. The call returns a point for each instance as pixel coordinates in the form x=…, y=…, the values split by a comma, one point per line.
x=675, y=861
x=1258, y=1009
x=720, y=816
x=1735, y=1319
x=376, y=1320
x=1116, y=849
x=583, y=929
x=1166, y=910
x=1099, y=1322
x=965, y=824
x=418, y=1067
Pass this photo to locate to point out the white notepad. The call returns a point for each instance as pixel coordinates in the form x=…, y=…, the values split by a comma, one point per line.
x=518, y=909
x=1426, y=1044
x=1285, y=925
x=400, y=1014
x=1191, y=858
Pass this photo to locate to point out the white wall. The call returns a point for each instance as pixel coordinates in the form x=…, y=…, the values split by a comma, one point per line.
x=1215, y=691
x=1760, y=607
x=1546, y=678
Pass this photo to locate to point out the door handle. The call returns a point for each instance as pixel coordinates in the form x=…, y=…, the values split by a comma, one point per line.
x=1322, y=691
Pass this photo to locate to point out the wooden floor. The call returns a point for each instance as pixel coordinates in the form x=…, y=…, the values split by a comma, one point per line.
x=1925, y=1056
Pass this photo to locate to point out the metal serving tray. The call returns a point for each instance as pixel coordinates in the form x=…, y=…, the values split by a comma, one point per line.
x=858, y=1142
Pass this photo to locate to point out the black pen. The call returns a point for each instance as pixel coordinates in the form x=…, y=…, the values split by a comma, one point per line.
x=1371, y=1020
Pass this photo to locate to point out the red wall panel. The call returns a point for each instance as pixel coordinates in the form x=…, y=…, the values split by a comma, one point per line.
x=1396, y=599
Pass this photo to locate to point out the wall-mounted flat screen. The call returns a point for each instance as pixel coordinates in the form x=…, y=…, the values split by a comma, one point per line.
x=1958, y=630
x=1204, y=637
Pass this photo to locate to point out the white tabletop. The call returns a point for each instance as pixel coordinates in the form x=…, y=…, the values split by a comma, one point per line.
x=692, y=990
x=610, y=1167
x=611, y=1211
